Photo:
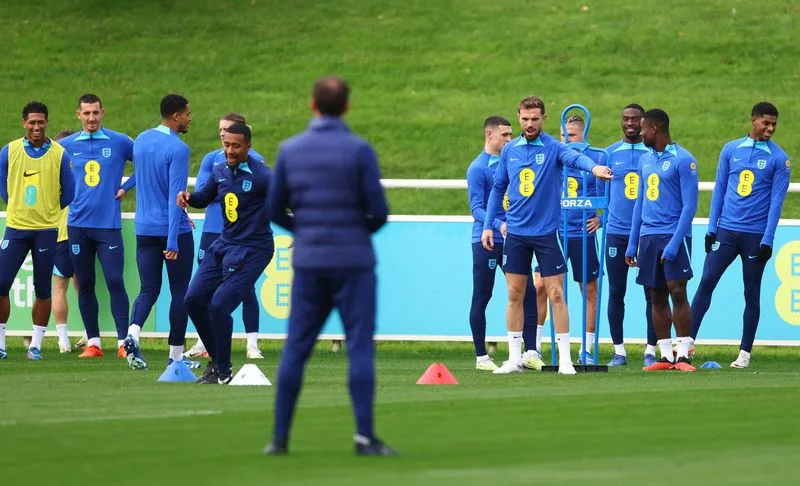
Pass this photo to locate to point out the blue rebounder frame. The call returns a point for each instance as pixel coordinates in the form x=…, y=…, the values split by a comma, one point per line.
x=585, y=203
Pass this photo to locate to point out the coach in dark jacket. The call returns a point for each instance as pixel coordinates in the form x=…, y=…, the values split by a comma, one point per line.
x=326, y=189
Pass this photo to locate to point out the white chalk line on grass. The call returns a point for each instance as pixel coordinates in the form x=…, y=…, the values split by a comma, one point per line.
x=111, y=418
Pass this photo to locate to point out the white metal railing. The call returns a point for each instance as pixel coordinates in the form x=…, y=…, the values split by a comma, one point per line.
x=462, y=184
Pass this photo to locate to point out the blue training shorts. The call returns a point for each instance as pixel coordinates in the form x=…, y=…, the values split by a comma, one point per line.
x=518, y=255
x=575, y=257
x=652, y=273
x=62, y=266
x=14, y=249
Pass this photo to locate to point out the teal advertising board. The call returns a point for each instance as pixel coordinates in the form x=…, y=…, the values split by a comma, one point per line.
x=425, y=285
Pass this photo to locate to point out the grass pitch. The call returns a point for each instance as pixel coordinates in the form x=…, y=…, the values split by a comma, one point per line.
x=69, y=421
x=424, y=73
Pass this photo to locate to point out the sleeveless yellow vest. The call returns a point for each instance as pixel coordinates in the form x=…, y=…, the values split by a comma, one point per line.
x=34, y=188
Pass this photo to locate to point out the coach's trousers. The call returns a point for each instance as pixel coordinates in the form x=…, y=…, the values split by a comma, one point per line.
x=314, y=294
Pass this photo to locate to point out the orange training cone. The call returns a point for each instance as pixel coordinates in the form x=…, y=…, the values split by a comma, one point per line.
x=437, y=374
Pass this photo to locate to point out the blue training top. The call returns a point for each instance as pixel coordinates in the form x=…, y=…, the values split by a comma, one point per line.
x=624, y=163
x=480, y=176
x=98, y=164
x=530, y=170
x=667, y=199
x=752, y=181
x=161, y=169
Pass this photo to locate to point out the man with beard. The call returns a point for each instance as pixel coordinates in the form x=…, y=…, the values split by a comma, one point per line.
x=624, y=189
x=530, y=170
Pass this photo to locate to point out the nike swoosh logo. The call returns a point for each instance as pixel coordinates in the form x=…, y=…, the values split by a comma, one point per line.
x=685, y=270
x=559, y=266
x=513, y=159
x=595, y=272
x=750, y=257
x=736, y=160
x=42, y=250
x=75, y=154
x=222, y=180
x=28, y=174
x=617, y=163
x=113, y=247
x=231, y=269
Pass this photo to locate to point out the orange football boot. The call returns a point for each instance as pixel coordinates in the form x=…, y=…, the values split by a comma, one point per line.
x=661, y=365
x=684, y=364
x=91, y=352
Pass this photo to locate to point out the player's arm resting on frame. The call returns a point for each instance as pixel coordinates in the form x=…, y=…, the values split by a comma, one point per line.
x=636, y=225
x=689, y=193
x=593, y=222
x=575, y=160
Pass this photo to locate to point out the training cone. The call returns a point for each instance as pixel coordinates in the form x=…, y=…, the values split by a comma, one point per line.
x=177, y=372
x=250, y=375
x=710, y=365
x=437, y=374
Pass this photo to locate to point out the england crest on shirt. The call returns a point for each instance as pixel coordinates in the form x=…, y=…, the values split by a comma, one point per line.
x=246, y=186
x=106, y=152
x=761, y=164
x=539, y=159
x=665, y=165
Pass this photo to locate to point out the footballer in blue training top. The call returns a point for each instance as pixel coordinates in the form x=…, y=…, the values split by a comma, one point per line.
x=530, y=170
x=163, y=231
x=95, y=222
x=624, y=158
x=751, y=184
x=480, y=176
x=662, y=217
